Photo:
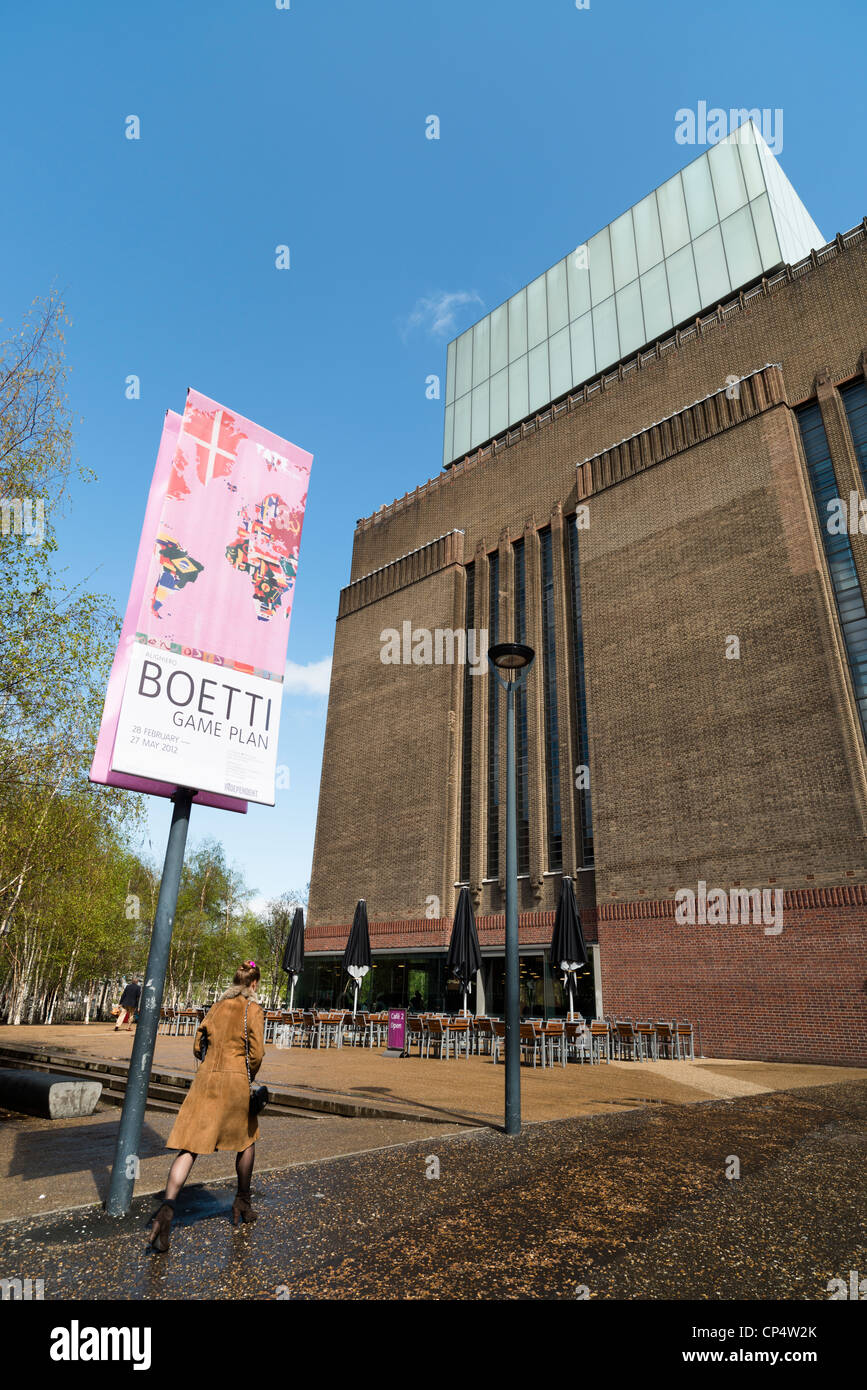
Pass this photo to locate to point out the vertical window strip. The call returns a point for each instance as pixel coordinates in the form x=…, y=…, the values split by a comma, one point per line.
x=854, y=399
x=493, y=860
x=838, y=553
x=549, y=675
x=582, y=743
x=523, y=787
x=467, y=749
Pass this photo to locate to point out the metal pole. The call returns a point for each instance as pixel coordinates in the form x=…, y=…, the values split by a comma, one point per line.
x=513, y=1015
x=125, y=1167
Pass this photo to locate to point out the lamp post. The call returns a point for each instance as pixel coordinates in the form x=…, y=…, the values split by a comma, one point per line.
x=514, y=661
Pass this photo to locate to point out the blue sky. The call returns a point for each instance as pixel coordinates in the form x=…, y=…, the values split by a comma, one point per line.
x=306, y=127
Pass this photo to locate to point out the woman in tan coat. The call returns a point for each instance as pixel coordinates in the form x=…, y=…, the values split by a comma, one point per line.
x=216, y=1112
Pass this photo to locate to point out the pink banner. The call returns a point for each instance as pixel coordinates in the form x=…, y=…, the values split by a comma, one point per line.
x=216, y=565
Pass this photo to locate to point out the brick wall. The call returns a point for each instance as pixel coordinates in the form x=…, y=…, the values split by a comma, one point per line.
x=798, y=996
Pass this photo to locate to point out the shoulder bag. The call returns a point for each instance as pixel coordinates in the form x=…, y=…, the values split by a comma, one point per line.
x=259, y=1095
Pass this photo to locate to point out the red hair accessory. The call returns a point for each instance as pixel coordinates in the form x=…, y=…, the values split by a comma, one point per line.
x=251, y=964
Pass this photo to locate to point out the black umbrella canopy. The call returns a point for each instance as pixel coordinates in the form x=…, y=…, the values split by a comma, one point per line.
x=357, y=951
x=293, y=955
x=567, y=940
x=464, y=957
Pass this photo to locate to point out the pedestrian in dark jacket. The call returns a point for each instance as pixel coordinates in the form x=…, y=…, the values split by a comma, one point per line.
x=128, y=1005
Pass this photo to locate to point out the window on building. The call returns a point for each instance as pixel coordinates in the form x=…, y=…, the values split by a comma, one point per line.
x=855, y=401
x=582, y=748
x=523, y=787
x=467, y=744
x=838, y=552
x=493, y=860
x=549, y=677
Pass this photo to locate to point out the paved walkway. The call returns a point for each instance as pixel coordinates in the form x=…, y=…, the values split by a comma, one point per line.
x=634, y=1204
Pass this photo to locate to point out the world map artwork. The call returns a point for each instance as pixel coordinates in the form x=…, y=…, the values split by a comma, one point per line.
x=261, y=540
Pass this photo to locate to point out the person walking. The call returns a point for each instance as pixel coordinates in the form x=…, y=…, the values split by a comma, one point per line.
x=216, y=1114
x=128, y=1005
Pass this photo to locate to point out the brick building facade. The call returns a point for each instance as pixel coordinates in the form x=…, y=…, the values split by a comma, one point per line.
x=658, y=536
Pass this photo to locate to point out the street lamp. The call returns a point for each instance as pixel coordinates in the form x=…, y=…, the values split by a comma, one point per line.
x=514, y=661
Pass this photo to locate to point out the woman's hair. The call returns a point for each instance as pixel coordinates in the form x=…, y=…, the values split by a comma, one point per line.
x=246, y=974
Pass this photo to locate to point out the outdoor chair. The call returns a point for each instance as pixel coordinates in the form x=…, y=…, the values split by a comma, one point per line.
x=498, y=1038
x=645, y=1034
x=416, y=1034
x=666, y=1041
x=600, y=1040
x=685, y=1041
x=484, y=1036
x=554, y=1033
x=627, y=1043
x=310, y=1028
x=271, y=1017
x=437, y=1037
x=458, y=1034
x=531, y=1040
x=576, y=1038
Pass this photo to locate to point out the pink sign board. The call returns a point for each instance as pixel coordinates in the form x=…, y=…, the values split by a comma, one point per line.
x=193, y=698
x=397, y=1029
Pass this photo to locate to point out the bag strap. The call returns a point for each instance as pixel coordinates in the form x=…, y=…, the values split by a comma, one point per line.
x=247, y=1046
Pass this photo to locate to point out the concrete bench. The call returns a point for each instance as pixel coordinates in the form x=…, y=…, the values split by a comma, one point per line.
x=48, y=1094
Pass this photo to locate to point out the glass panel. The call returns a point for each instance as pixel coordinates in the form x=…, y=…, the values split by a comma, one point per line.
x=450, y=372
x=682, y=285
x=751, y=164
x=599, y=260
x=517, y=307
x=467, y=799
x=537, y=314
x=766, y=232
x=582, y=747
x=481, y=351
x=522, y=788
x=578, y=277
x=558, y=308
x=605, y=335
x=449, y=433
x=710, y=264
x=561, y=363
x=462, y=425
x=728, y=181
x=481, y=408
x=700, y=202
x=630, y=320
x=464, y=366
x=493, y=828
x=540, y=386
x=583, y=354
x=672, y=215
x=623, y=251
x=549, y=680
x=742, y=252
x=518, y=390
x=838, y=551
x=648, y=240
x=654, y=298
x=499, y=401
x=499, y=338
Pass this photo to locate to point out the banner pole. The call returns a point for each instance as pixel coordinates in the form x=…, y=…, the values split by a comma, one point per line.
x=126, y=1161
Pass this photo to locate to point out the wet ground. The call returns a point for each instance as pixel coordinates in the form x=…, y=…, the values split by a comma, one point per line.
x=635, y=1204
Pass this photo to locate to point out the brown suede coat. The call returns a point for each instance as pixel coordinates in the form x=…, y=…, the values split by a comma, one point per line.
x=216, y=1112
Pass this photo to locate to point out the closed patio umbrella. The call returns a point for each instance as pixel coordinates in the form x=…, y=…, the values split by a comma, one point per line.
x=567, y=941
x=293, y=955
x=356, y=958
x=464, y=958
